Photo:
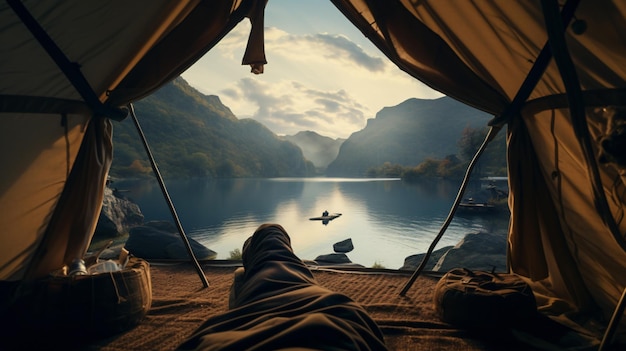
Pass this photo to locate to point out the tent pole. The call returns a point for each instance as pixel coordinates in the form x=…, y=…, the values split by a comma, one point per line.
x=525, y=89
x=70, y=69
x=612, y=327
x=493, y=131
x=155, y=169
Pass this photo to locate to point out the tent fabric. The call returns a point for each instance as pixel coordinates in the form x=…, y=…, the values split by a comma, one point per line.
x=181, y=45
x=479, y=52
x=71, y=225
x=255, y=50
x=40, y=161
x=598, y=259
x=124, y=51
x=393, y=29
x=575, y=257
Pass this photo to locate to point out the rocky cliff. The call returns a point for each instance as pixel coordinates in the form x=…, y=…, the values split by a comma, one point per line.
x=407, y=134
x=117, y=216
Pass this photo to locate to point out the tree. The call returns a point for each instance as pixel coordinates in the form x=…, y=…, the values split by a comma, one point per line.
x=225, y=169
x=138, y=167
x=428, y=168
x=470, y=142
x=197, y=164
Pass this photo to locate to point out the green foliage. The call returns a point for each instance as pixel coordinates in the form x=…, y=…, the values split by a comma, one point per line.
x=194, y=135
x=491, y=163
x=493, y=160
x=428, y=168
x=377, y=265
x=407, y=134
x=448, y=168
x=136, y=169
x=470, y=142
x=387, y=170
x=235, y=254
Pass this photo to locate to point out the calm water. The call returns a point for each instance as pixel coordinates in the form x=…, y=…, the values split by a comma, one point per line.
x=387, y=219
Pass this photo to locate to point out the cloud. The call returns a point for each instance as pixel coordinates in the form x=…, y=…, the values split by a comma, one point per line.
x=290, y=107
x=231, y=93
x=321, y=46
x=340, y=47
x=322, y=82
x=328, y=105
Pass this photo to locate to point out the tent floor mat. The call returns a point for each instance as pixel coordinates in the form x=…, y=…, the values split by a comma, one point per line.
x=180, y=304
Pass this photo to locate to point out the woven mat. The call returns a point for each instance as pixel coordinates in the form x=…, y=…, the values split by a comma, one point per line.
x=181, y=303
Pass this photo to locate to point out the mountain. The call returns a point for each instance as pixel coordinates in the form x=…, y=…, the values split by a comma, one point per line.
x=195, y=135
x=320, y=150
x=407, y=134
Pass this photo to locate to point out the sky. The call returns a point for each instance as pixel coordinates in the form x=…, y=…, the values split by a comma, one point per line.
x=322, y=75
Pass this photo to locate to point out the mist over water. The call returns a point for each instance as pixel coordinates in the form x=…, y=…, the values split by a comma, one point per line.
x=387, y=219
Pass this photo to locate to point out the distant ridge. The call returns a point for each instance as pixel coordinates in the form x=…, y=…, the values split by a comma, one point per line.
x=195, y=135
x=321, y=150
x=407, y=134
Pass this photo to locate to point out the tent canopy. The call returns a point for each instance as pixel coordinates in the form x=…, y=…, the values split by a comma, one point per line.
x=545, y=69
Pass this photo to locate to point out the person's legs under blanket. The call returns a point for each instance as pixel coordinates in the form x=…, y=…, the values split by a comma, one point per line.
x=277, y=304
x=270, y=266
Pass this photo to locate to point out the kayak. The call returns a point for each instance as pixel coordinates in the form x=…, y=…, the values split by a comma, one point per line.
x=329, y=217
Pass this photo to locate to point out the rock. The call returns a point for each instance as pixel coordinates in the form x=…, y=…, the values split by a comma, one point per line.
x=163, y=226
x=344, y=246
x=118, y=214
x=412, y=262
x=478, y=251
x=333, y=258
x=160, y=240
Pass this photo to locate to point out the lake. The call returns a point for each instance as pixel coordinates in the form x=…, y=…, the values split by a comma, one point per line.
x=387, y=219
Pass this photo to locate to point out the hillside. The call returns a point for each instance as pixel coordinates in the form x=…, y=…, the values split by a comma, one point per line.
x=407, y=134
x=320, y=150
x=195, y=135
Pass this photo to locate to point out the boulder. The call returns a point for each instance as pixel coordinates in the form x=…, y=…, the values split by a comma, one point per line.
x=160, y=240
x=477, y=251
x=118, y=214
x=344, y=246
x=412, y=262
x=333, y=258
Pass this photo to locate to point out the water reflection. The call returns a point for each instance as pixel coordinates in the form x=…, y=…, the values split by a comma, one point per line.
x=387, y=220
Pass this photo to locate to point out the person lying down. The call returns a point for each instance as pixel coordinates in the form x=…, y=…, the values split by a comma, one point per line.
x=275, y=304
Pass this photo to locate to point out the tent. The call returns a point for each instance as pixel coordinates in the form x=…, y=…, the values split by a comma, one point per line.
x=549, y=71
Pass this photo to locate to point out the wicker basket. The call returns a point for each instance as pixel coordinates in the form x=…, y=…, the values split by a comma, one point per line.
x=83, y=307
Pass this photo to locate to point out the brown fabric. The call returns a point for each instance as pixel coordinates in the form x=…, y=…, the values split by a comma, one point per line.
x=570, y=258
x=35, y=169
x=480, y=52
x=200, y=30
x=489, y=300
x=180, y=304
x=537, y=240
x=279, y=305
x=392, y=27
x=255, y=49
x=75, y=217
x=526, y=254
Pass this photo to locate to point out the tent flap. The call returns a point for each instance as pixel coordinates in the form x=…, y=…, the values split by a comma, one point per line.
x=567, y=229
x=78, y=61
